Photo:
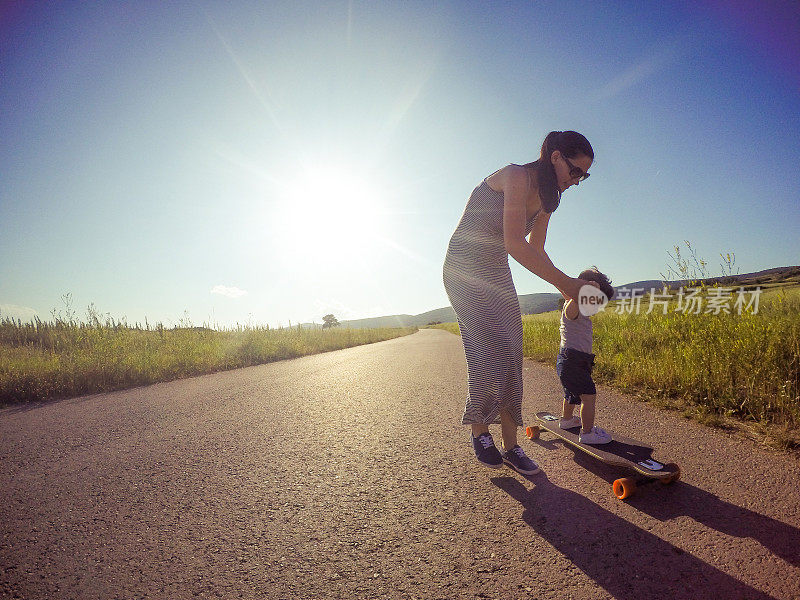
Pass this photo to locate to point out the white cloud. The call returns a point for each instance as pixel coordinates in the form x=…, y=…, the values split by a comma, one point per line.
x=13, y=311
x=661, y=57
x=230, y=292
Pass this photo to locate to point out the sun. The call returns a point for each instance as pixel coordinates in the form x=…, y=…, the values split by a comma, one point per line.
x=331, y=211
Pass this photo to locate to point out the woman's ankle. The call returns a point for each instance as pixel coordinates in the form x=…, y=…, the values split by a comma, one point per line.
x=478, y=430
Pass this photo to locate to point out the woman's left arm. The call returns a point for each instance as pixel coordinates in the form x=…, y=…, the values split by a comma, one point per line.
x=539, y=234
x=539, y=230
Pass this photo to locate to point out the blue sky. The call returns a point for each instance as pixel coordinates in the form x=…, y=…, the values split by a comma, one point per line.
x=274, y=162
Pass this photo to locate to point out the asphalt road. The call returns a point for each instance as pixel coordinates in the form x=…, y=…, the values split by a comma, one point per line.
x=347, y=475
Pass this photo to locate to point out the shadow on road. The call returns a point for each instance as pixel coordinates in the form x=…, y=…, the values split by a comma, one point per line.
x=628, y=562
x=779, y=538
x=24, y=407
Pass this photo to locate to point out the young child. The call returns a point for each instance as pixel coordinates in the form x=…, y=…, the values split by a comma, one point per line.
x=574, y=365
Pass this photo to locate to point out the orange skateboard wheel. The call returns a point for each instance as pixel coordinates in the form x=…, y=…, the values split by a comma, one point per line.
x=624, y=488
x=675, y=477
x=532, y=432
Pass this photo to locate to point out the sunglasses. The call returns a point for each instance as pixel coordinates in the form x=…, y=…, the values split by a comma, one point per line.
x=575, y=172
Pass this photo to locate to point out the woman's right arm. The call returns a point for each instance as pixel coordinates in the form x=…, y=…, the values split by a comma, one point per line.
x=515, y=183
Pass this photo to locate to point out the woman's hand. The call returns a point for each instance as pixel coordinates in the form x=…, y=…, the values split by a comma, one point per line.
x=573, y=288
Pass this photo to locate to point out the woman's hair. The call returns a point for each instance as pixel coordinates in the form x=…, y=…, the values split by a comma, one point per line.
x=570, y=144
x=594, y=275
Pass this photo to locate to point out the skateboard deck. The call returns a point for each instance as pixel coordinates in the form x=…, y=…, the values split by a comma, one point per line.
x=621, y=452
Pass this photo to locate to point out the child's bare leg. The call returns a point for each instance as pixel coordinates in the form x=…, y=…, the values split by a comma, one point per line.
x=567, y=410
x=587, y=412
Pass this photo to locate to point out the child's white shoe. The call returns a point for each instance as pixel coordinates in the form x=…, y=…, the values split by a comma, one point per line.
x=595, y=436
x=570, y=423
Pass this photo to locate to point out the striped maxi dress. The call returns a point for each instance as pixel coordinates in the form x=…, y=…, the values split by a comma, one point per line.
x=478, y=282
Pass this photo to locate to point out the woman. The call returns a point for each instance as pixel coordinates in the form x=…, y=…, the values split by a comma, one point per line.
x=507, y=206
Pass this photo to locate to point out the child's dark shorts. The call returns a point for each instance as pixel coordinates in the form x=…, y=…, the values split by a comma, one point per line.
x=574, y=368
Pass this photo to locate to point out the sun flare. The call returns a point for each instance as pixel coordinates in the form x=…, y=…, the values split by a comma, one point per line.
x=330, y=211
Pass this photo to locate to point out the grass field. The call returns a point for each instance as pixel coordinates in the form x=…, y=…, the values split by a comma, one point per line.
x=716, y=368
x=64, y=358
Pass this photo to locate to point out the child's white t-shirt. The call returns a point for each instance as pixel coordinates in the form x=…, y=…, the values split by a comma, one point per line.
x=576, y=334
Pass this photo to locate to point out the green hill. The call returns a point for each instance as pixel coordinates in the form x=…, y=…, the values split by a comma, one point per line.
x=531, y=304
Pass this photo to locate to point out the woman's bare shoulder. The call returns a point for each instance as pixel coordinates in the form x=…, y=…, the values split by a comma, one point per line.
x=507, y=177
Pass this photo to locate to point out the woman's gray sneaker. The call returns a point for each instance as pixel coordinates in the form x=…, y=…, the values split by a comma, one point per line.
x=486, y=452
x=517, y=460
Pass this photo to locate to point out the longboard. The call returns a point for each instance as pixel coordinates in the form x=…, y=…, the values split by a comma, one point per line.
x=620, y=452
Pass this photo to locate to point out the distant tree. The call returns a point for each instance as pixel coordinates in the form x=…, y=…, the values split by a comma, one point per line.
x=330, y=321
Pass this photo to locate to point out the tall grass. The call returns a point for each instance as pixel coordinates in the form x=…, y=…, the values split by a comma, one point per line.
x=745, y=366
x=43, y=360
